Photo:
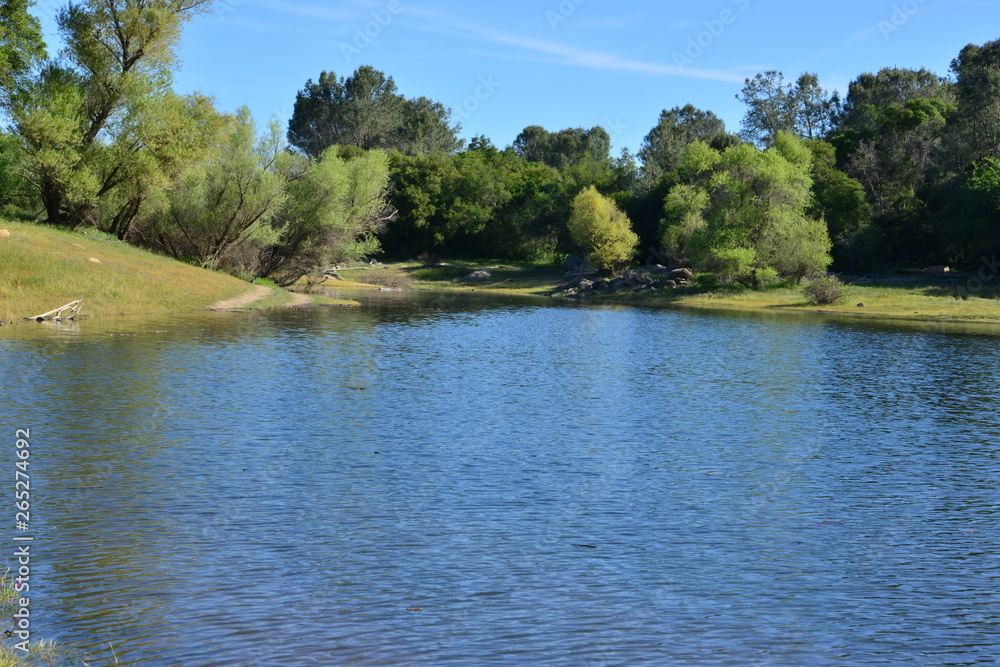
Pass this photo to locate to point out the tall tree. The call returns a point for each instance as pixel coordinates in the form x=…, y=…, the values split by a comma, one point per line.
x=890, y=86
x=744, y=212
x=87, y=120
x=663, y=148
x=977, y=84
x=775, y=105
x=21, y=44
x=563, y=148
x=365, y=110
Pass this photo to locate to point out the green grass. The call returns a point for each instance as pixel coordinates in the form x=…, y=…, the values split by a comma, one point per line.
x=42, y=268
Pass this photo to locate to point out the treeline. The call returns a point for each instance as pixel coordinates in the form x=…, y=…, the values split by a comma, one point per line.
x=901, y=171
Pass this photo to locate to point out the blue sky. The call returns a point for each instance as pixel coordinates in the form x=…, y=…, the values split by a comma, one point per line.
x=563, y=63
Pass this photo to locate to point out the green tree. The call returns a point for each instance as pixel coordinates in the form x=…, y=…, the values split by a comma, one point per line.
x=889, y=87
x=563, y=148
x=334, y=208
x=602, y=230
x=89, y=120
x=365, y=110
x=743, y=212
x=841, y=201
x=663, y=148
x=977, y=84
x=21, y=45
x=775, y=105
x=222, y=208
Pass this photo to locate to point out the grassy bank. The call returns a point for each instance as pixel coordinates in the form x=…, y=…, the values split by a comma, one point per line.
x=42, y=268
x=889, y=297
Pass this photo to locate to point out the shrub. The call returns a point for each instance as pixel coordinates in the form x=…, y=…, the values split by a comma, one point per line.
x=825, y=290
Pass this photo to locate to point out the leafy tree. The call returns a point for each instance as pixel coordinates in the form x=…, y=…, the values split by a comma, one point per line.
x=841, y=201
x=365, y=110
x=223, y=204
x=977, y=84
x=89, y=120
x=21, y=44
x=564, y=148
x=774, y=105
x=602, y=230
x=333, y=210
x=744, y=212
x=974, y=229
x=890, y=87
x=663, y=148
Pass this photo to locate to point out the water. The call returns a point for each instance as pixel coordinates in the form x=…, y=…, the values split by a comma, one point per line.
x=445, y=480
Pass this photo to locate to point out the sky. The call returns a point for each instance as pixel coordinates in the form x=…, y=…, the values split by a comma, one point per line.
x=501, y=67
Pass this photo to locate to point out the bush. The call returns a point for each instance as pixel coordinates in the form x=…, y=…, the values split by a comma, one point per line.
x=825, y=290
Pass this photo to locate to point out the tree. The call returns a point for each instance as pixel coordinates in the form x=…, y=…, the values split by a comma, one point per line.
x=89, y=119
x=663, y=148
x=334, y=208
x=743, y=212
x=602, y=230
x=365, y=110
x=889, y=87
x=774, y=105
x=977, y=84
x=21, y=44
x=841, y=201
x=224, y=203
x=563, y=148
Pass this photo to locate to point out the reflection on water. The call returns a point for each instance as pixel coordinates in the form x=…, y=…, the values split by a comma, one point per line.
x=451, y=480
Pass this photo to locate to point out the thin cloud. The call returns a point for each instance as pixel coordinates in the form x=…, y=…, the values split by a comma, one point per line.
x=572, y=56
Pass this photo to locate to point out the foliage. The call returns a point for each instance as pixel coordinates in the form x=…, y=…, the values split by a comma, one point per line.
x=825, y=290
x=774, y=105
x=840, y=200
x=744, y=213
x=94, y=124
x=21, y=44
x=977, y=85
x=364, y=110
x=602, y=230
x=220, y=205
x=335, y=205
x=663, y=148
x=564, y=148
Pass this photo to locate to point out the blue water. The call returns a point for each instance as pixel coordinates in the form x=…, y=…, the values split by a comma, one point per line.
x=431, y=480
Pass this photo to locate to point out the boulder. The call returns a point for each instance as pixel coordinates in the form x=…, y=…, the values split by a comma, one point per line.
x=478, y=276
x=601, y=283
x=574, y=264
x=585, y=286
x=681, y=274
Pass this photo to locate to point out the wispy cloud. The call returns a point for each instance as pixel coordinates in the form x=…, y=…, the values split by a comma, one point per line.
x=565, y=54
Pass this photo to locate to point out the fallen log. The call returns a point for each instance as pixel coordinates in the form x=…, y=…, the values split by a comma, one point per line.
x=72, y=306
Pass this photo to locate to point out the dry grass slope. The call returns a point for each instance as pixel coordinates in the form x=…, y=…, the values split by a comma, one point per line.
x=43, y=268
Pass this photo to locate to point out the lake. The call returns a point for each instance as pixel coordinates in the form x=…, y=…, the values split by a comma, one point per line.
x=435, y=479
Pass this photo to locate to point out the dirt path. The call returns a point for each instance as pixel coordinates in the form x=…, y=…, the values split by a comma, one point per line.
x=256, y=294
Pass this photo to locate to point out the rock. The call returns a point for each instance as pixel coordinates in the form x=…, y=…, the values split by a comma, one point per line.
x=585, y=286
x=861, y=305
x=478, y=276
x=94, y=260
x=671, y=284
x=681, y=274
x=601, y=283
x=617, y=284
x=4, y=232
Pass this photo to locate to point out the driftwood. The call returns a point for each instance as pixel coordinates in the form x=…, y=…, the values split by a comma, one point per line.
x=57, y=314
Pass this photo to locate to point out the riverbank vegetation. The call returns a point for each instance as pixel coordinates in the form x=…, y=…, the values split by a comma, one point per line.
x=902, y=172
